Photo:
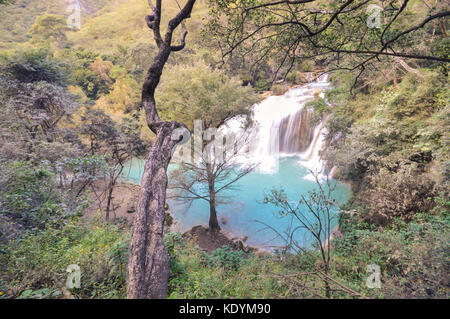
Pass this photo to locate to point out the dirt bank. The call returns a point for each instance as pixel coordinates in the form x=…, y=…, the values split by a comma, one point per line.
x=125, y=196
x=209, y=241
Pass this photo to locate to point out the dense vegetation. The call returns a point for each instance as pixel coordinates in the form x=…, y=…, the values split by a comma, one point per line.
x=70, y=116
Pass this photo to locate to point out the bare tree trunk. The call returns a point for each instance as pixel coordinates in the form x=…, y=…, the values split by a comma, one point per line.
x=108, y=202
x=327, y=284
x=148, y=267
x=213, y=222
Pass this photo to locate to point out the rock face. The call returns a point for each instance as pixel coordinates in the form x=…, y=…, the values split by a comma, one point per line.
x=296, y=133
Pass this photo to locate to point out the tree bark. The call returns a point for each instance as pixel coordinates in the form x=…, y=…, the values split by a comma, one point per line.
x=109, y=199
x=148, y=266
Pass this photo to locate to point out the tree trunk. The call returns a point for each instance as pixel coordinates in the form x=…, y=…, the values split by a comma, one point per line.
x=109, y=200
x=148, y=267
x=213, y=222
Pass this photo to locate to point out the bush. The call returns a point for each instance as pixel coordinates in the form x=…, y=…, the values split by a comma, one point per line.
x=28, y=195
x=262, y=85
x=279, y=89
x=35, y=266
x=397, y=195
x=412, y=256
x=225, y=258
x=223, y=274
x=419, y=94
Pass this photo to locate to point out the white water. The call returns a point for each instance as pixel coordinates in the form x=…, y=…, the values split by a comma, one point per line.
x=277, y=124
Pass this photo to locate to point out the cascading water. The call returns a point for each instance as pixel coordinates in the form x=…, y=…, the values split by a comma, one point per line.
x=281, y=127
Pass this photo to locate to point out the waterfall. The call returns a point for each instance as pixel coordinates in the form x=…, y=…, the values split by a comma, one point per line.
x=311, y=157
x=281, y=127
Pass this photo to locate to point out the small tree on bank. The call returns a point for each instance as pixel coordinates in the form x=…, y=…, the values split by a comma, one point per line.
x=117, y=142
x=210, y=177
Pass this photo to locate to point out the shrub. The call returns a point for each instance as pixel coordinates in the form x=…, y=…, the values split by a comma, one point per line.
x=397, y=195
x=262, y=85
x=279, y=89
x=28, y=195
x=225, y=258
x=35, y=266
x=412, y=256
x=223, y=274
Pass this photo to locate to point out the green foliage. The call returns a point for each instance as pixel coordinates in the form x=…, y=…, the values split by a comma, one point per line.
x=397, y=194
x=320, y=108
x=412, y=257
x=49, y=27
x=20, y=15
x=307, y=66
x=225, y=258
x=191, y=92
x=29, y=195
x=35, y=266
x=91, y=82
x=424, y=94
x=223, y=274
x=279, y=89
x=34, y=65
x=262, y=85
x=386, y=147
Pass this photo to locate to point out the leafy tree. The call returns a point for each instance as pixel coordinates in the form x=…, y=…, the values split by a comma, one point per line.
x=91, y=73
x=29, y=196
x=50, y=27
x=37, y=102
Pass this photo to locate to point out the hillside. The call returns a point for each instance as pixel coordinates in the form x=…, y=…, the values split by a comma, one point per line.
x=17, y=18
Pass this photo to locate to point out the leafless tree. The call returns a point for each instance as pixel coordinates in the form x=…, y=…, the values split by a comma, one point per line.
x=313, y=214
x=217, y=169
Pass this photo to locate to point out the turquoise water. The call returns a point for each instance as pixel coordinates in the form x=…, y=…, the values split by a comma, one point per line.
x=245, y=211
